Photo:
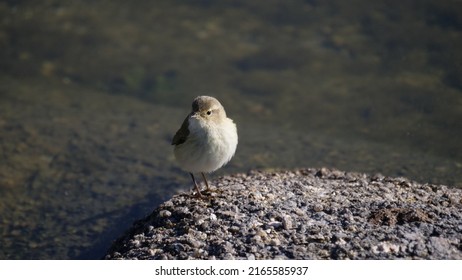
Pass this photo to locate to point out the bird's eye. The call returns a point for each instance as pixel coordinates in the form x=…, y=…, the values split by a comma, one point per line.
x=209, y=112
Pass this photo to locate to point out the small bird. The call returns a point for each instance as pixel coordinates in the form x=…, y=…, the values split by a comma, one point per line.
x=206, y=140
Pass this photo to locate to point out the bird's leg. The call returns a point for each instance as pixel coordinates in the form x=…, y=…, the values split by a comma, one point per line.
x=195, y=186
x=205, y=180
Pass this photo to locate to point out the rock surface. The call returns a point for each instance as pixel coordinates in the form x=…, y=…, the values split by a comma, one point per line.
x=302, y=214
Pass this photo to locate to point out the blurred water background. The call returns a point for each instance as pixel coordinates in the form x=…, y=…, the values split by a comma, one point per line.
x=91, y=93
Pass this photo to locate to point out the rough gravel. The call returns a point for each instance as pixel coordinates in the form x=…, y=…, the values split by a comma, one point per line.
x=302, y=214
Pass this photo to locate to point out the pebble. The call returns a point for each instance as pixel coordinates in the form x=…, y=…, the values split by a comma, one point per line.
x=165, y=213
x=287, y=222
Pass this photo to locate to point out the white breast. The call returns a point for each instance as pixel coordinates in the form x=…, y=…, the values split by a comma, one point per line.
x=208, y=147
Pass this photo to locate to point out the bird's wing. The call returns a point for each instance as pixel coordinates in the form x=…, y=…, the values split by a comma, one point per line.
x=182, y=134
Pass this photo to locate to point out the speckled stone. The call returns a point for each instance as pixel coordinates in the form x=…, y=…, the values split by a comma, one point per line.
x=302, y=214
